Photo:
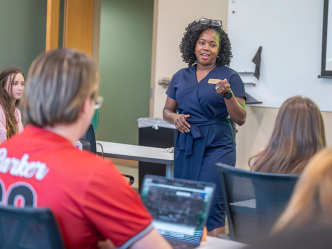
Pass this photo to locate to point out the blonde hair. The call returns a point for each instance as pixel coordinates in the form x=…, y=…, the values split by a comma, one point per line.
x=311, y=202
x=297, y=135
x=58, y=83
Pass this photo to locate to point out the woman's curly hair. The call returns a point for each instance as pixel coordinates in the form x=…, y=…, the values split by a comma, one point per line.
x=188, y=43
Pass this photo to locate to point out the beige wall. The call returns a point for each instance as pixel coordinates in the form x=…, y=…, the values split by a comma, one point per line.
x=170, y=20
x=257, y=130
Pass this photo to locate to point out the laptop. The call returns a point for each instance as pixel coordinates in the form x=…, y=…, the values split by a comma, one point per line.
x=179, y=208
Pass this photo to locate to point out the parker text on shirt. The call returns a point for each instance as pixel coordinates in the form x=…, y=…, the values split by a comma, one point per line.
x=22, y=167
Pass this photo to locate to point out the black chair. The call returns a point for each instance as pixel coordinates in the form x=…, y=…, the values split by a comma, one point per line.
x=89, y=140
x=29, y=228
x=254, y=201
x=89, y=143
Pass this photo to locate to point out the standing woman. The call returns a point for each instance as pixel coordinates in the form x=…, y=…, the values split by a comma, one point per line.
x=11, y=90
x=200, y=100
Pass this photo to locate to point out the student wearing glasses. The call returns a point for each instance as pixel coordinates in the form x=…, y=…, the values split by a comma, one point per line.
x=41, y=167
x=200, y=100
x=11, y=90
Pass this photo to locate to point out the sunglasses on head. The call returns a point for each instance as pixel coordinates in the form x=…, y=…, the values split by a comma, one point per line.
x=213, y=22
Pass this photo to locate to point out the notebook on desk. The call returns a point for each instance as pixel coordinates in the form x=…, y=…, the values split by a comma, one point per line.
x=179, y=208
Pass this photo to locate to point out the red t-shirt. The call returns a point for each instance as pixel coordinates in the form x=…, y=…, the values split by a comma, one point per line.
x=90, y=199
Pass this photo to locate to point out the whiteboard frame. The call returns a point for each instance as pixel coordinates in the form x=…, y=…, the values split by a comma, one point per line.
x=325, y=72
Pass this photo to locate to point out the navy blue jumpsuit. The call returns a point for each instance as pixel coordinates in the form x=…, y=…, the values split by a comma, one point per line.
x=211, y=137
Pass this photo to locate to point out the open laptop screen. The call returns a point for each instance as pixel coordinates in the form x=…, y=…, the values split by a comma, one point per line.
x=179, y=207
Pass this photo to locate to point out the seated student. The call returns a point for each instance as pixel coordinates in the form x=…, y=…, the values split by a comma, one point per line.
x=311, y=202
x=297, y=135
x=11, y=90
x=41, y=167
x=304, y=238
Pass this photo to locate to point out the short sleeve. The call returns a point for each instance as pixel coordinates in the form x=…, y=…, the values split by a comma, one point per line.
x=237, y=86
x=19, y=122
x=3, y=130
x=171, y=90
x=3, y=133
x=114, y=209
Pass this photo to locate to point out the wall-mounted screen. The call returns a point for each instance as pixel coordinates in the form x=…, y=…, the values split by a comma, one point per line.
x=327, y=39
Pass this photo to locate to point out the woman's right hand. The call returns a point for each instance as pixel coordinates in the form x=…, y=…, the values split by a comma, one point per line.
x=170, y=116
x=180, y=122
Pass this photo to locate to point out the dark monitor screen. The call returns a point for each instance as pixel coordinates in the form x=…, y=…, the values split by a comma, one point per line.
x=88, y=140
x=327, y=39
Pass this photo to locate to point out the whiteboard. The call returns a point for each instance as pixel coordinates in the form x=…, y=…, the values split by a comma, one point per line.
x=290, y=33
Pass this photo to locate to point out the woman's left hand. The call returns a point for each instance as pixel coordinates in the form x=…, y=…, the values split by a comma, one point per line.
x=223, y=87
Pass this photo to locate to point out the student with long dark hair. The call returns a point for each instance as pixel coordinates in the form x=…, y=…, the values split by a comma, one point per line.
x=297, y=135
x=11, y=90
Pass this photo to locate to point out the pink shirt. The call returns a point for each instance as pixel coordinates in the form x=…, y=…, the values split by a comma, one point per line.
x=3, y=130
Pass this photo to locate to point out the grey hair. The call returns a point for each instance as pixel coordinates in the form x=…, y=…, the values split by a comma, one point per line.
x=58, y=83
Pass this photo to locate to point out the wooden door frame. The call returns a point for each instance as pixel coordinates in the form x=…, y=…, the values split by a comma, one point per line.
x=52, y=24
x=73, y=17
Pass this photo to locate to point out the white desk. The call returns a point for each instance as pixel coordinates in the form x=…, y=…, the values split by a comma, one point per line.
x=138, y=153
x=217, y=243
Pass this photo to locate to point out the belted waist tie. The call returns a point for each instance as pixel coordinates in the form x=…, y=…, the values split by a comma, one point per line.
x=187, y=139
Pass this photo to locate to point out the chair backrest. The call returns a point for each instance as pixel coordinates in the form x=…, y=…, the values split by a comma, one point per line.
x=29, y=228
x=89, y=140
x=254, y=201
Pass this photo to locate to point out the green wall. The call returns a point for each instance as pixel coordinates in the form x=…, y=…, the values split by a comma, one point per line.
x=125, y=68
x=23, y=32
